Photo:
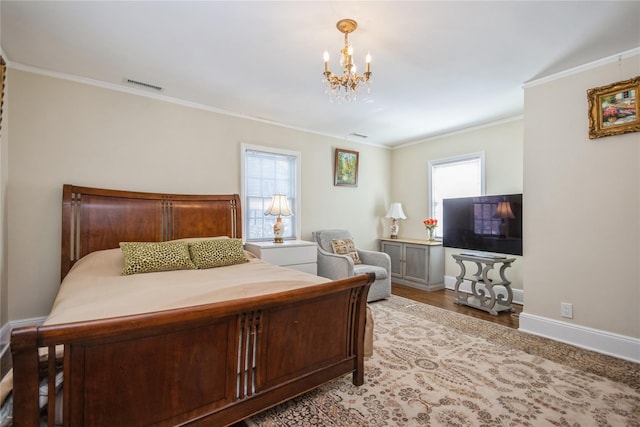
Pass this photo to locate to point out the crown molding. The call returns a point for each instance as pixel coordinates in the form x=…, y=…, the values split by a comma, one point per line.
x=579, y=69
x=165, y=98
x=461, y=131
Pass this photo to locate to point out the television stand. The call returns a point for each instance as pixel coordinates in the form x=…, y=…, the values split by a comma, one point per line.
x=484, y=298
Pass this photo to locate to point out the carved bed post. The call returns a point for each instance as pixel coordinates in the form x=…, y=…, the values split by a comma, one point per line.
x=65, y=252
x=360, y=297
x=24, y=350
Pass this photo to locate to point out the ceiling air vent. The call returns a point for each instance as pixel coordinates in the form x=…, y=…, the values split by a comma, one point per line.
x=359, y=135
x=144, y=85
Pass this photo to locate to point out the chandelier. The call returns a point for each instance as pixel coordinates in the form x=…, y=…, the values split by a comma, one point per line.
x=345, y=87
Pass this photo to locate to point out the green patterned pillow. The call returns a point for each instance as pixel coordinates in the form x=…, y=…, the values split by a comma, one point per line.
x=217, y=253
x=147, y=257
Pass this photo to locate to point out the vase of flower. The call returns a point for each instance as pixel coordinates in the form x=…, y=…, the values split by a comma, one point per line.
x=430, y=225
x=431, y=231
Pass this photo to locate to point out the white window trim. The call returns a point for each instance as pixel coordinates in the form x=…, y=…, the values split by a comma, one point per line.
x=296, y=209
x=464, y=157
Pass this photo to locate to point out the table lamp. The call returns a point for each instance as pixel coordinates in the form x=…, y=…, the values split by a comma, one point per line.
x=279, y=206
x=504, y=212
x=395, y=211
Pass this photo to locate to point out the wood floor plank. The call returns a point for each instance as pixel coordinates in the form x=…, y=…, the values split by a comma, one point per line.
x=445, y=299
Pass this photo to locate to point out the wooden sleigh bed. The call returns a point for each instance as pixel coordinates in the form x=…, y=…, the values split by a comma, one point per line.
x=204, y=364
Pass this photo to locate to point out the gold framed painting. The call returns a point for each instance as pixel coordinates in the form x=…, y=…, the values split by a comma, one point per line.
x=613, y=109
x=346, y=168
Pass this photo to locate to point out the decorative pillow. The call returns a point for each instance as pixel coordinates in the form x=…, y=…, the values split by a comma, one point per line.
x=217, y=253
x=147, y=257
x=346, y=247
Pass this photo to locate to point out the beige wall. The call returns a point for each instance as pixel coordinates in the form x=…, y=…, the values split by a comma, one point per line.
x=68, y=132
x=502, y=145
x=582, y=198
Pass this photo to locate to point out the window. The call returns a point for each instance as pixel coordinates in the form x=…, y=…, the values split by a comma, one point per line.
x=485, y=221
x=267, y=171
x=461, y=176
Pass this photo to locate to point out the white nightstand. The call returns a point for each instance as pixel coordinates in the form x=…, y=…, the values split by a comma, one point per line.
x=297, y=254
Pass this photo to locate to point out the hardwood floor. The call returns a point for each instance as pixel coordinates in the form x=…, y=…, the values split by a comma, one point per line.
x=445, y=299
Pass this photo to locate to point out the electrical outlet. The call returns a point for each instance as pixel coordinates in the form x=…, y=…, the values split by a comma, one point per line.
x=566, y=310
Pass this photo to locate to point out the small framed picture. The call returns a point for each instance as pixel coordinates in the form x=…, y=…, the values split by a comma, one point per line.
x=346, y=168
x=613, y=109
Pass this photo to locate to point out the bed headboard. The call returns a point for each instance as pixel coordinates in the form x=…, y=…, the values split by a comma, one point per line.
x=94, y=219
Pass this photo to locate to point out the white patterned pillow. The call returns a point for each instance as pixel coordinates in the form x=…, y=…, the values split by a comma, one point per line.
x=346, y=247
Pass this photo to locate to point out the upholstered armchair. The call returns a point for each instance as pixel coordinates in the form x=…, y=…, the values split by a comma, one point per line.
x=344, y=264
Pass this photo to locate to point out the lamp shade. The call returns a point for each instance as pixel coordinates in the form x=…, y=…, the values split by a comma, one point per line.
x=279, y=206
x=504, y=211
x=395, y=211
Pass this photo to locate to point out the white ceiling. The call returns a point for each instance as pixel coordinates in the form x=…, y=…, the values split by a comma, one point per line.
x=438, y=66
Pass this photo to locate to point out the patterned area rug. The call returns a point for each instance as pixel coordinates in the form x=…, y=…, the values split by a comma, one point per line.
x=432, y=367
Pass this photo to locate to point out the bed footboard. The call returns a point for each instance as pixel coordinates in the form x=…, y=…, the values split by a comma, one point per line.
x=213, y=364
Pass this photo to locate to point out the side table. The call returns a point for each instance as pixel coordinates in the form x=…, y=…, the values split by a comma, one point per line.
x=484, y=299
x=297, y=254
x=416, y=263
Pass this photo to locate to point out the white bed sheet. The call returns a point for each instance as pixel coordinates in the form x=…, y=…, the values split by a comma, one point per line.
x=95, y=288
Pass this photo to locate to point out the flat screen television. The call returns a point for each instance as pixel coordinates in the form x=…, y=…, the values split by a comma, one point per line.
x=483, y=223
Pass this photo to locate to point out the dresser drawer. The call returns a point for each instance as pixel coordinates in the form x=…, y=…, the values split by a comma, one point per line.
x=298, y=254
x=290, y=255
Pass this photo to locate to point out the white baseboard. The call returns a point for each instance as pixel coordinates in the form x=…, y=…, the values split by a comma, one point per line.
x=5, y=332
x=619, y=346
x=450, y=283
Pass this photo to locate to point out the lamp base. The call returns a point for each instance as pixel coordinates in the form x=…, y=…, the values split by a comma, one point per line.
x=395, y=228
x=278, y=230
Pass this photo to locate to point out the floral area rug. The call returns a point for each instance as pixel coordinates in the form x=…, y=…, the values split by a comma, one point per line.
x=432, y=367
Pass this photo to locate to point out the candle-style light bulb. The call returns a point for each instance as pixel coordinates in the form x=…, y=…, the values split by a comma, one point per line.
x=368, y=62
x=326, y=61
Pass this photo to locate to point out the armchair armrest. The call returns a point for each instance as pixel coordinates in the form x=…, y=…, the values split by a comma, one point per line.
x=334, y=266
x=381, y=259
